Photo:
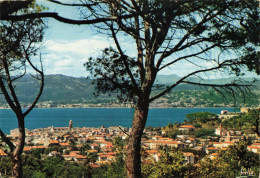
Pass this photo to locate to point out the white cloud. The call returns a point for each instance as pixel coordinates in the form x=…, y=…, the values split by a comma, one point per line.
x=84, y=47
x=67, y=57
x=65, y=63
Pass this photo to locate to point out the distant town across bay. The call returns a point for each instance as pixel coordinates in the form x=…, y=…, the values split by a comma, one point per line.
x=97, y=117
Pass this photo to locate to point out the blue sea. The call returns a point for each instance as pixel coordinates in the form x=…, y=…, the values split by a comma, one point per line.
x=96, y=117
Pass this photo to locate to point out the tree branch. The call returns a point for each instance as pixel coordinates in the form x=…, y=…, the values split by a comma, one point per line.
x=41, y=87
x=124, y=59
x=218, y=85
x=11, y=87
x=183, y=57
x=6, y=94
x=7, y=141
x=64, y=20
x=67, y=4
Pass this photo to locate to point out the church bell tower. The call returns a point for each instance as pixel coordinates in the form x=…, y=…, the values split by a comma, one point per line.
x=70, y=125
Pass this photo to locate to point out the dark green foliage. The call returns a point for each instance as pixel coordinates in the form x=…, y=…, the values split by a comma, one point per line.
x=6, y=166
x=197, y=125
x=84, y=148
x=172, y=133
x=110, y=74
x=49, y=167
x=31, y=164
x=205, y=132
x=39, y=174
x=100, y=172
x=202, y=117
x=92, y=157
x=34, y=167
x=53, y=166
x=37, y=153
x=169, y=125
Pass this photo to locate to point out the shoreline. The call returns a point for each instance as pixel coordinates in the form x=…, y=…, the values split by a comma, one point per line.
x=1, y=108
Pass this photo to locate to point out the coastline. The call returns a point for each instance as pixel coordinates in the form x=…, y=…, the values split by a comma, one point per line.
x=114, y=107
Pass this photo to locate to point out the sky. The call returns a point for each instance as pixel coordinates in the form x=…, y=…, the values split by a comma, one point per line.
x=67, y=47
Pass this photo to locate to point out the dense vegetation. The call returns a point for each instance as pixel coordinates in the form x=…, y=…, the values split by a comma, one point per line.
x=201, y=117
x=49, y=167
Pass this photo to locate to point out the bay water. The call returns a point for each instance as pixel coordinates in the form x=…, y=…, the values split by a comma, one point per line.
x=96, y=117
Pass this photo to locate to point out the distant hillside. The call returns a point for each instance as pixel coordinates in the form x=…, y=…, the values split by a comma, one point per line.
x=57, y=88
x=60, y=89
x=170, y=79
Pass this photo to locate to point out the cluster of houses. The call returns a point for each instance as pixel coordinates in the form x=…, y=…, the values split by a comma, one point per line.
x=101, y=147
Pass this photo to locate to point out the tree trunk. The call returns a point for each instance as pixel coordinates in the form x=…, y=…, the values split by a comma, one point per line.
x=133, y=162
x=16, y=156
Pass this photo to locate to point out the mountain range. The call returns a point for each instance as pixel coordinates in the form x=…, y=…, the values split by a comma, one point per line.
x=63, y=89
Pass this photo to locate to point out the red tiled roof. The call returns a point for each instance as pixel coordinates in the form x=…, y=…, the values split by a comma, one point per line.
x=40, y=146
x=53, y=141
x=187, y=154
x=81, y=157
x=26, y=148
x=214, y=154
x=94, y=165
x=253, y=147
x=187, y=126
x=74, y=152
x=165, y=142
x=94, y=144
x=2, y=153
x=92, y=151
x=256, y=144
x=152, y=151
x=64, y=144
x=110, y=153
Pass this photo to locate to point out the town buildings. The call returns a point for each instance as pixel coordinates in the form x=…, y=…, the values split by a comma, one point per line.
x=98, y=144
